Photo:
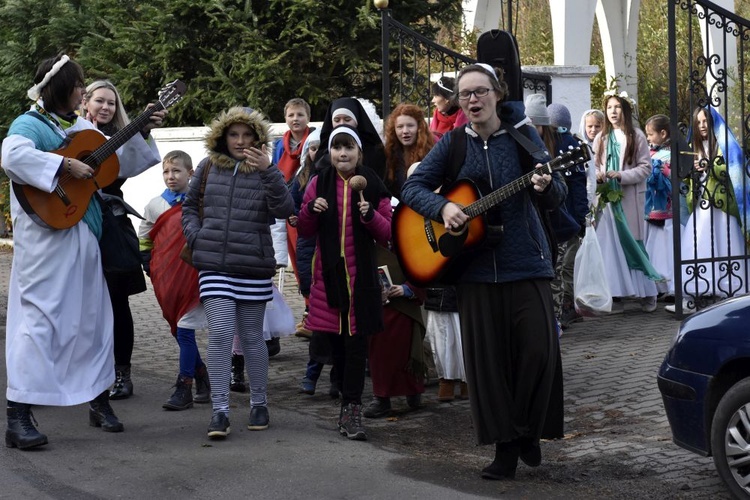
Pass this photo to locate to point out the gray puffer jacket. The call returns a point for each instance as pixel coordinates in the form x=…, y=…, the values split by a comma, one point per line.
x=239, y=204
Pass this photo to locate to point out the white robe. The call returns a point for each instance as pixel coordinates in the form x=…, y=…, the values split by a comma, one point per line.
x=59, y=332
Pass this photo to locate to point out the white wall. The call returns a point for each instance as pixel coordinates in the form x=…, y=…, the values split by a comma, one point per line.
x=139, y=190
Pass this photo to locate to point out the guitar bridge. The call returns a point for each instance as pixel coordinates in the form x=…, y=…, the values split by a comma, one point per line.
x=430, y=234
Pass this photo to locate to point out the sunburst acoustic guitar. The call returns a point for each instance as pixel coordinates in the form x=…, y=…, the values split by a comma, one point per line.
x=426, y=250
x=66, y=204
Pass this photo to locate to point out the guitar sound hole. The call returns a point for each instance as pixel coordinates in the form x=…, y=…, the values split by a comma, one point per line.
x=451, y=244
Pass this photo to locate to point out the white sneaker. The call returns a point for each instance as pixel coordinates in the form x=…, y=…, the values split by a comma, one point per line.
x=686, y=308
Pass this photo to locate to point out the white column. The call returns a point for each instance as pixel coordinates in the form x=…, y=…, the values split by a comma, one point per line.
x=482, y=15
x=618, y=24
x=724, y=45
x=572, y=25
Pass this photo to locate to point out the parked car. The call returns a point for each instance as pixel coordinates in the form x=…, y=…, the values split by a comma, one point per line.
x=705, y=384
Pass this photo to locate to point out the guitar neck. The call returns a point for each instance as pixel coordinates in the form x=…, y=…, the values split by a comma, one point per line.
x=484, y=204
x=122, y=136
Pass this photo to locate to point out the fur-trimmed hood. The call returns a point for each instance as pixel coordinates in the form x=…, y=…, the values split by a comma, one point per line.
x=216, y=143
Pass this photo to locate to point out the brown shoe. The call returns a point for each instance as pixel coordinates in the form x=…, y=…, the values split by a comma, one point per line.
x=446, y=390
x=302, y=330
x=464, y=391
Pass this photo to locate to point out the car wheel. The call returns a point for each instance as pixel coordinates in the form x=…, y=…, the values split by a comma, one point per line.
x=730, y=438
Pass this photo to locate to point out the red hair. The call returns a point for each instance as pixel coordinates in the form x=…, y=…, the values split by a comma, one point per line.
x=396, y=156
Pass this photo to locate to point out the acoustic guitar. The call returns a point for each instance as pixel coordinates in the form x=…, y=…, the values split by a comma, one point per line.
x=426, y=250
x=66, y=204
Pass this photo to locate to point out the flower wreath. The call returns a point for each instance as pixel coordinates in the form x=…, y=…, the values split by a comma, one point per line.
x=622, y=95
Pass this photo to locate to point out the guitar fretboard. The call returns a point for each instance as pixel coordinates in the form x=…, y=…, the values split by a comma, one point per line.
x=485, y=203
x=122, y=136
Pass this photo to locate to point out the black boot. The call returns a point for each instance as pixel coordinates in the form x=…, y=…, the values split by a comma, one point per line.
x=273, y=346
x=102, y=415
x=531, y=453
x=237, y=383
x=182, y=398
x=123, y=387
x=202, y=386
x=505, y=463
x=21, y=432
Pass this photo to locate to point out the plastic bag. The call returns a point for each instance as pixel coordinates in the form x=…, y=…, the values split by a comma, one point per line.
x=279, y=318
x=591, y=290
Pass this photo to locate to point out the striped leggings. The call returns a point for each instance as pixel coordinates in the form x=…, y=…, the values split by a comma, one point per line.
x=225, y=317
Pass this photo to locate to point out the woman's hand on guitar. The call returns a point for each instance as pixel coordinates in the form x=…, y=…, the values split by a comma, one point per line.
x=453, y=216
x=77, y=169
x=155, y=120
x=541, y=181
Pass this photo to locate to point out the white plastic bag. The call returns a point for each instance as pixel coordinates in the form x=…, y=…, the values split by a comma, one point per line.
x=281, y=252
x=590, y=287
x=279, y=318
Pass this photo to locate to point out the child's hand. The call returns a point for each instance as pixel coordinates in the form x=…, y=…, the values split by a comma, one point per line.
x=700, y=165
x=257, y=158
x=319, y=205
x=365, y=210
x=614, y=175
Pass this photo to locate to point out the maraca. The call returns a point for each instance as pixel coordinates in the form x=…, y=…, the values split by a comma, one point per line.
x=358, y=183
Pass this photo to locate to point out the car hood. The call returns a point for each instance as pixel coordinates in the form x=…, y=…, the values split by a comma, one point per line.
x=709, y=338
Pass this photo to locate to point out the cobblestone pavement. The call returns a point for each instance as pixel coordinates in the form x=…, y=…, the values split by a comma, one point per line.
x=617, y=445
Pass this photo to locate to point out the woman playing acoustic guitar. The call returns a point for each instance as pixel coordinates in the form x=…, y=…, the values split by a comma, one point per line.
x=504, y=299
x=59, y=326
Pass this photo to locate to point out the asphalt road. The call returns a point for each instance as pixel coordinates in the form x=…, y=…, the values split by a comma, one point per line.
x=617, y=444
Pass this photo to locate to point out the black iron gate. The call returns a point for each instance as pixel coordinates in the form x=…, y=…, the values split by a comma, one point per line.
x=410, y=60
x=709, y=77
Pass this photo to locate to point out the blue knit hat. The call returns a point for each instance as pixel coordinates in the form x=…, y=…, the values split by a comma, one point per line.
x=559, y=116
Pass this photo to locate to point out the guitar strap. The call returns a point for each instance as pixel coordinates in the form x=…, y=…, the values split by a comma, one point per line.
x=528, y=152
x=38, y=116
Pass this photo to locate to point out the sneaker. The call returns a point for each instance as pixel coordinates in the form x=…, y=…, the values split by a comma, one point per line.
x=378, y=407
x=307, y=386
x=219, y=426
x=648, y=304
x=350, y=424
x=258, y=418
x=686, y=307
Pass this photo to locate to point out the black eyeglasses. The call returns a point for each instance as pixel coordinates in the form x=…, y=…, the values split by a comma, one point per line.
x=466, y=94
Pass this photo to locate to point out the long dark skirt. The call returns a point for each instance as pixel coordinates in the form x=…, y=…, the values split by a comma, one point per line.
x=510, y=353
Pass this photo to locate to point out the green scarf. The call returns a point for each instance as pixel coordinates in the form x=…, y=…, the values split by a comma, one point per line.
x=635, y=251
